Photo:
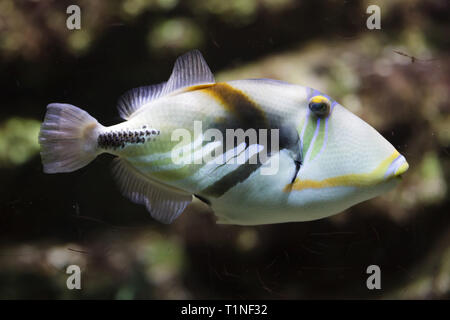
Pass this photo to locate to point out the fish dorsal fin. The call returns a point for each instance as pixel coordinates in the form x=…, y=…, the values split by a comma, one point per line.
x=190, y=69
x=163, y=202
x=135, y=98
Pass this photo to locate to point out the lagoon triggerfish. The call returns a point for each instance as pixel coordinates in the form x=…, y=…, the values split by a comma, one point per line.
x=257, y=151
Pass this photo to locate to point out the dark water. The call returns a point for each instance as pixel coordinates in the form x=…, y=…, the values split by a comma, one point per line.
x=395, y=78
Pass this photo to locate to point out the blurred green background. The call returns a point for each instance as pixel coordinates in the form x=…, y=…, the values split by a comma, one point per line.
x=48, y=222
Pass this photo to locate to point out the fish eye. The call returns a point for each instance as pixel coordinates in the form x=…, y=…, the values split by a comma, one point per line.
x=320, y=106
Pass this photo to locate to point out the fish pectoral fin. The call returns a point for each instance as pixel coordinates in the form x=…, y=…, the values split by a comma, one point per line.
x=135, y=98
x=190, y=69
x=164, y=203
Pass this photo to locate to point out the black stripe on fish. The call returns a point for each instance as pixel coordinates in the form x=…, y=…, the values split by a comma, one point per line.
x=288, y=139
x=249, y=115
x=246, y=114
x=245, y=110
x=203, y=199
x=239, y=175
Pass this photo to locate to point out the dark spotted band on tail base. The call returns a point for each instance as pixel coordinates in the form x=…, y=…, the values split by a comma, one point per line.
x=119, y=139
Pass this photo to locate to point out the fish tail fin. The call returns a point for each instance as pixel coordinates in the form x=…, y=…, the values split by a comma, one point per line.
x=68, y=138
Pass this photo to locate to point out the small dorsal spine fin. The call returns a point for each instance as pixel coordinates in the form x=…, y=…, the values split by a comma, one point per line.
x=189, y=69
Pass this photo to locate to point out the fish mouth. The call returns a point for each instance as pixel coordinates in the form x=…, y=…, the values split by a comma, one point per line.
x=397, y=167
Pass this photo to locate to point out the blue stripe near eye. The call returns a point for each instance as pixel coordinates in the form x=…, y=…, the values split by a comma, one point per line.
x=303, y=130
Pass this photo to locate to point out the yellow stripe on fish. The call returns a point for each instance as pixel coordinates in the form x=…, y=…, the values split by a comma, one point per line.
x=348, y=180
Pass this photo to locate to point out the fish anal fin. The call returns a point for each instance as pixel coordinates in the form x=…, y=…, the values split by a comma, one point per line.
x=163, y=202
